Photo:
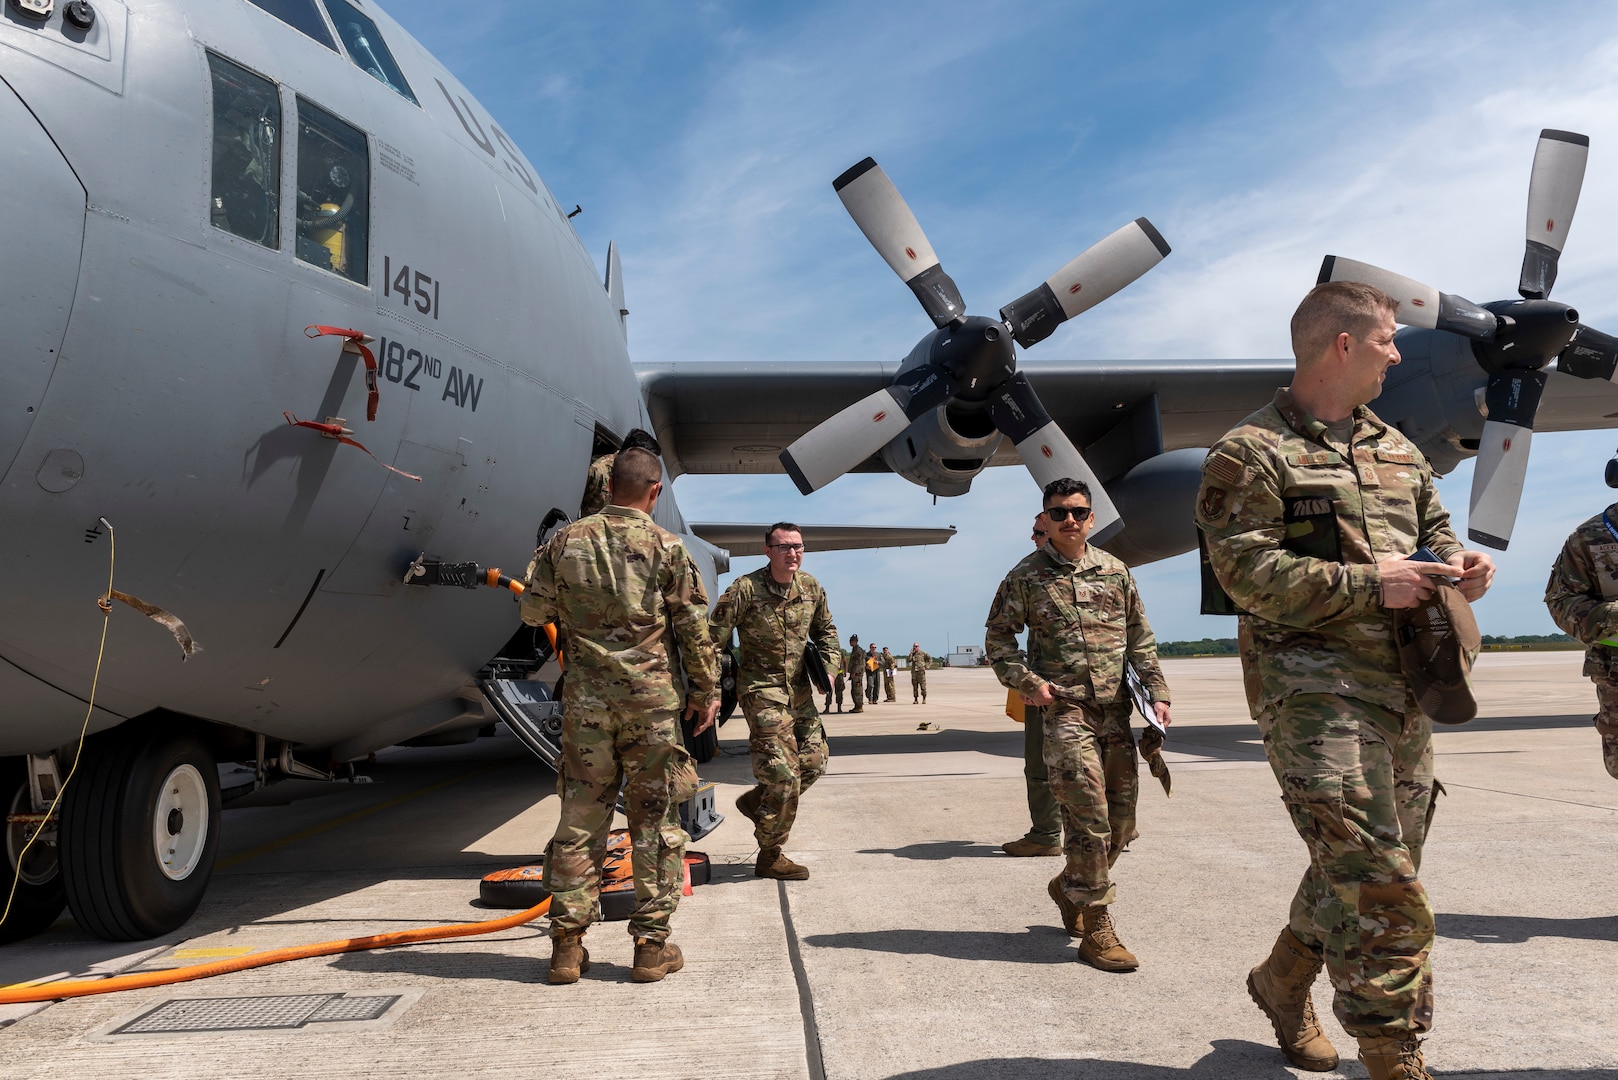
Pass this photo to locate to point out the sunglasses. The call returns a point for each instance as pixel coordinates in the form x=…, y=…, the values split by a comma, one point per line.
x=1060, y=513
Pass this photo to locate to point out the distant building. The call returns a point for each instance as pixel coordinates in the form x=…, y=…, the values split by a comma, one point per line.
x=965, y=656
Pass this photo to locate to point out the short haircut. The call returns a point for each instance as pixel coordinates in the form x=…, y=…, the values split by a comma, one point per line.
x=779, y=526
x=640, y=439
x=1337, y=307
x=634, y=471
x=1061, y=489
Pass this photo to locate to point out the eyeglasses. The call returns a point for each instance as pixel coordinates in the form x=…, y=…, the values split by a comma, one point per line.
x=1060, y=513
x=787, y=547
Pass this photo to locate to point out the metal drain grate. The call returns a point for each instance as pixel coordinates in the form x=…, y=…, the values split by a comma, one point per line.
x=279, y=1013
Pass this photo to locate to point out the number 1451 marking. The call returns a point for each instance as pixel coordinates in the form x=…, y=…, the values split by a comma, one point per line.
x=415, y=290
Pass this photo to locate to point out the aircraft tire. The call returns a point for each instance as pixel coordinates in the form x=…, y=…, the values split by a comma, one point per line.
x=140, y=831
x=39, y=898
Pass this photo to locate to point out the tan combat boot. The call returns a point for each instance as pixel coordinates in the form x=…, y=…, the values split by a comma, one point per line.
x=1069, y=910
x=1280, y=986
x=1099, y=946
x=655, y=959
x=1395, y=1057
x=772, y=863
x=747, y=803
x=569, y=957
x=1024, y=848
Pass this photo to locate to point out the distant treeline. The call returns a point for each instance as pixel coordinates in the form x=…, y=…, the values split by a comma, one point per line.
x=1226, y=646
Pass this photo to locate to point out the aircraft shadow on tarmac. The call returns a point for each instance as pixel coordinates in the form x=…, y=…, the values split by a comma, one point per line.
x=1040, y=945
x=939, y=850
x=1517, y=929
x=505, y=776
x=1228, y=1060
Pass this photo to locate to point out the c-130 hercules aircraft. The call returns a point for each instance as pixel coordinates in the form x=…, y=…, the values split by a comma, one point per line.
x=189, y=191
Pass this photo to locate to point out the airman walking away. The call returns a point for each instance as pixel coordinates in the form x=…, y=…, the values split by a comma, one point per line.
x=1582, y=596
x=778, y=612
x=1311, y=509
x=630, y=603
x=597, y=482
x=1085, y=622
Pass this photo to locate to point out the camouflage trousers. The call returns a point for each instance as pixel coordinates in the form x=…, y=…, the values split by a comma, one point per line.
x=890, y=691
x=1044, y=816
x=789, y=753
x=1090, y=759
x=602, y=751
x=1357, y=781
x=837, y=689
x=918, y=684
x=1607, y=721
x=856, y=688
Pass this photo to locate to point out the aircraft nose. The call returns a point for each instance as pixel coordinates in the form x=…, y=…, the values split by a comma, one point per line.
x=42, y=206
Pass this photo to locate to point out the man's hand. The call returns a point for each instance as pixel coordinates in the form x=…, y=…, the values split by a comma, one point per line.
x=1162, y=710
x=1042, y=696
x=1477, y=573
x=709, y=714
x=1406, y=583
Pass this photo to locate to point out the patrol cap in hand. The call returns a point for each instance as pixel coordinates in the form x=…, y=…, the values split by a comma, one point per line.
x=1438, y=641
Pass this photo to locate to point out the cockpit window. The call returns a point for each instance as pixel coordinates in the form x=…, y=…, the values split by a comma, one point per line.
x=301, y=15
x=366, y=47
x=246, y=195
x=334, y=184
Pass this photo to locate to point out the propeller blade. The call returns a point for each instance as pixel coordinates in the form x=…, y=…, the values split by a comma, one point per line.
x=1046, y=450
x=840, y=442
x=1101, y=270
x=1591, y=355
x=1419, y=305
x=1512, y=398
x=1553, y=195
x=880, y=211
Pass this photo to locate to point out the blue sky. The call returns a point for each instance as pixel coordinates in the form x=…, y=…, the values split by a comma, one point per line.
x=703, y=138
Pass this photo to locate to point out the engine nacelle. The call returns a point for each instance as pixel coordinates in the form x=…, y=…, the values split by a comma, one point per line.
x=1157, y=500
x=945, y=449
x=1434, y=396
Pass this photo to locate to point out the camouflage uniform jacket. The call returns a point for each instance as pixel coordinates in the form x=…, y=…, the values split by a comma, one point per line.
x=1084, y=622
x=776, y=622
x=889, y=662
x=1582, y=593
x=1294, y=532
x=631, y=602
x=597, y=486
x=919, y=659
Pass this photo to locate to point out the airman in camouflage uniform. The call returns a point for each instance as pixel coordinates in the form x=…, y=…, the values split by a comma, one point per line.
x=890, y=665
x=631, y=605
x=918, y=674
x=778, y=611
x=1085, y=621
x=598, y=481
x=1582, y=595
x=1310, y=509
x=854, y=667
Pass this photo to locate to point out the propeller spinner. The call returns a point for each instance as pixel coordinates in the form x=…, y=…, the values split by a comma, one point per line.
x=969, y=358
x=1514, y=340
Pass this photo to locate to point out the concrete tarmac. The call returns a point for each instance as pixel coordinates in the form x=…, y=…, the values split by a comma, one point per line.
x=916, y=950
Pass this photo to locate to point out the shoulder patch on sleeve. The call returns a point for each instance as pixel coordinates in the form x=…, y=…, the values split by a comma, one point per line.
x=1224, y=467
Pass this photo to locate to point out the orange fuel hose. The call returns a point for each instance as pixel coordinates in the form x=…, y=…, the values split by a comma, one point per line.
x=22, y=993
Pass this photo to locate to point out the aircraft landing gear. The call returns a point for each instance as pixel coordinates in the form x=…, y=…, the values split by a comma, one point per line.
x=140, y=829
x=39, y=898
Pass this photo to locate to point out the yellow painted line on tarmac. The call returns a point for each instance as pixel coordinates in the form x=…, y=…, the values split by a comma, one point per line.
x=349, y=819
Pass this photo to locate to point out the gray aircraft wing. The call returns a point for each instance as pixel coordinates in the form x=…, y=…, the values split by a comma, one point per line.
x=730, y=417
x=747, y=539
